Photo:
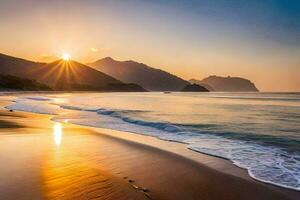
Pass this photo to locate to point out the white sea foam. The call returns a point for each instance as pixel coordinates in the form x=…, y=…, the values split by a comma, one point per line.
x=40, y=105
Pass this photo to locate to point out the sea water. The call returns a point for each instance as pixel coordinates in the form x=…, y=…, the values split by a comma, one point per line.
x=256, y=131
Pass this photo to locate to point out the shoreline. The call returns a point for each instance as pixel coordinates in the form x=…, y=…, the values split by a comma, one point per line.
x=170, y=153
x=214, y=162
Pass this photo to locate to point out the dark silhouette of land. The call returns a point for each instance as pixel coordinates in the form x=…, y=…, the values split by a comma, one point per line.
x=63, y=75
x=133, y=72
x=226, y=84
x=194, y=88
x=8, y=82
x=108, y=75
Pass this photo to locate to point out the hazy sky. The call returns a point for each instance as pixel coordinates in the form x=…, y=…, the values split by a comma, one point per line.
x=255, y=39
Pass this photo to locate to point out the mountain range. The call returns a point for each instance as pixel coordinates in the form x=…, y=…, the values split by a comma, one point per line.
x=133, y=72
x=63, y=75
x=108, y=74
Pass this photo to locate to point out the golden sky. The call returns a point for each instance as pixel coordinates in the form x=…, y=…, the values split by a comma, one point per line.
x=257, y=41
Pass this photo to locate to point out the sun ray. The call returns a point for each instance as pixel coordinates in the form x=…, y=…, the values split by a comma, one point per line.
x=50, y=72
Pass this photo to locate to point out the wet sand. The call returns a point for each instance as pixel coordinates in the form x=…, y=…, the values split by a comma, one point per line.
x=41, y=159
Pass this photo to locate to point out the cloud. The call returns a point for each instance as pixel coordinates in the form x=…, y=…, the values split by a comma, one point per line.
x=94, y=49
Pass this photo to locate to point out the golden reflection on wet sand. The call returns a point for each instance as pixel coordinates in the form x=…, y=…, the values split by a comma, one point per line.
x=71, y=172
x=57, y=133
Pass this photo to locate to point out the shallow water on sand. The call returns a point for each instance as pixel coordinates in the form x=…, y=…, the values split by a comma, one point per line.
x=256, y=131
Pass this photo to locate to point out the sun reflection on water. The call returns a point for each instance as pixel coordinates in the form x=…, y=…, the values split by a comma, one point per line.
x=57, y=133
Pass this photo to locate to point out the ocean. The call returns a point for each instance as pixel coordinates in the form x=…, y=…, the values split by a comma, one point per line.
x=259, y=132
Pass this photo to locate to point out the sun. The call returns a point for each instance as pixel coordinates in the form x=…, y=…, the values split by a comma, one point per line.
x=66, y=56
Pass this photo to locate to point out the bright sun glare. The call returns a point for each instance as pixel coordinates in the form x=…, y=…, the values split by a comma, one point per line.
x=66, y=56
x=57, y=133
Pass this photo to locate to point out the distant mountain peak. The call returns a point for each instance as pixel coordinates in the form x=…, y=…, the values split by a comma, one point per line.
x=130, y=71
x=226, y=84
x=107, y=58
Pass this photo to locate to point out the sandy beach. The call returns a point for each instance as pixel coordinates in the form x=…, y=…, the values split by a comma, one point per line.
x=42, y=159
